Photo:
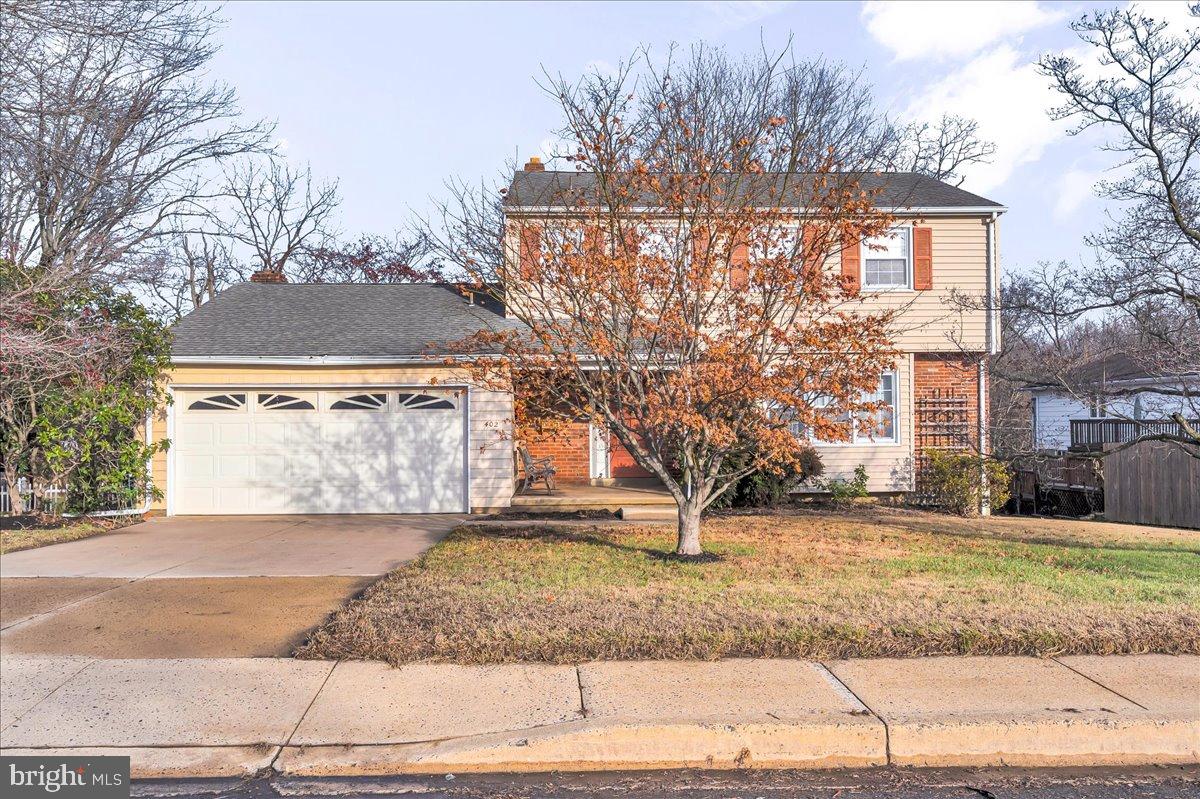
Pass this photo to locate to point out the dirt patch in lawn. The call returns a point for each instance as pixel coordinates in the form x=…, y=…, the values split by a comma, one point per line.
x=178, y=618
x=814, y=585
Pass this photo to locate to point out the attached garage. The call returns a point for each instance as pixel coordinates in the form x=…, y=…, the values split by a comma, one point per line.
x=343, y=450
x=332, y=398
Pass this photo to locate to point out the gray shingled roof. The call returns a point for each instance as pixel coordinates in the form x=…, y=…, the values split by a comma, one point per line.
x=897, y=190
x=338, y=319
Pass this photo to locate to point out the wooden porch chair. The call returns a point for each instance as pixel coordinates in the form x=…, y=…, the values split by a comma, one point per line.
x=537, y=469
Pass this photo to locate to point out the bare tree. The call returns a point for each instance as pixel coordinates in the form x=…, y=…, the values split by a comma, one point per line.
x=466, y=231
x=372, y=259
x=941, y=150
x=278, y=212
x=1147, y=272
x=108, y=124
x=187, y=270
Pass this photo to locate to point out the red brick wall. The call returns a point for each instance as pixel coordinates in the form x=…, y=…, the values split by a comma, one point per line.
x=949, y=374
x=571, y=452
x=622, y=464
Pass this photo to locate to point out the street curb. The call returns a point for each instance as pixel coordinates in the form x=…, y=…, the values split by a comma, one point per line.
x=1082, y=739
x=1086, y=740
x=612, y=745
x=150, y=762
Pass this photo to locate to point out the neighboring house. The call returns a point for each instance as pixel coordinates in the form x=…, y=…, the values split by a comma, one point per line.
x=1110, y=400
x=327, y=398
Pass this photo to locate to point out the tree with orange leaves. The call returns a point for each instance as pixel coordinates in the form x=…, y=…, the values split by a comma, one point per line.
x=679, y=283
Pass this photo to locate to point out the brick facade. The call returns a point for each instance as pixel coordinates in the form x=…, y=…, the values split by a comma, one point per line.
x=948, y=375
x=571, y=451
x=622, y=464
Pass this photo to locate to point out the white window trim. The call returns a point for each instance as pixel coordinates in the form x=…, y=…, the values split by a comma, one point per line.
x=897, y=410
x=864, y=251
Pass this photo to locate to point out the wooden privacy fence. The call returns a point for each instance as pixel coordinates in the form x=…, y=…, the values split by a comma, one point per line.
x=1153, y=482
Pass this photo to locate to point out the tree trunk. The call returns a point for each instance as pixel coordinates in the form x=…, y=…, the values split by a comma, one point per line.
x=689, y=527
x=16, y=503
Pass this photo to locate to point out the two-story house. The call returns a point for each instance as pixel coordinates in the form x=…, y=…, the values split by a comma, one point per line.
x=339, y=398
x=938, y=267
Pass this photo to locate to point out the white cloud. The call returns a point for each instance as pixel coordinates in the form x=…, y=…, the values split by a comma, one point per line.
x=1173, y=12
x=934, y=30
x=1075, y=187
x=1003, y=92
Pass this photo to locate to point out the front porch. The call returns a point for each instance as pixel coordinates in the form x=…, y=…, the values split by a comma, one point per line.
x=571, y=497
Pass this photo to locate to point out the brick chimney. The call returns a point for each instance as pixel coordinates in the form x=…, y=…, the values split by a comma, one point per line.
x=268, y=276
x=535, y=165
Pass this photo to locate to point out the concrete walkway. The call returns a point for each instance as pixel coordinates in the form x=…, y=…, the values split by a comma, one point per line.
x=222, y=717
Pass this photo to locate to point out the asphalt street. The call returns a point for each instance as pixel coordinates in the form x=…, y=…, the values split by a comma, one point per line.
x=1159, y=783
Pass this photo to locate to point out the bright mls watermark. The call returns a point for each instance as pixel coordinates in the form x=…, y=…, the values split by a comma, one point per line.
x=101, y=777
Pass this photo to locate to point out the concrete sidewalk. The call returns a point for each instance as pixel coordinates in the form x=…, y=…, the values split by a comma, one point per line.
x=222, y=717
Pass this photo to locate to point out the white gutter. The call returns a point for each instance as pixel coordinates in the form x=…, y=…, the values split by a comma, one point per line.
x=992, y=327
x=322, y=360
x=985, y=504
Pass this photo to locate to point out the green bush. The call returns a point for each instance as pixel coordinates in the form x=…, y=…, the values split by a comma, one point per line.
x=768, y=489
x=952, y=478
x=842, y=492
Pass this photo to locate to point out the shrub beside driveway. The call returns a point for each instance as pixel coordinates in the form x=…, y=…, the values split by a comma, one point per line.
x=871, y=584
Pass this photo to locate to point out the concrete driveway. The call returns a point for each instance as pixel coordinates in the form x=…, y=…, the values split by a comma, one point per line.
x=200, y=587
x=239, y=546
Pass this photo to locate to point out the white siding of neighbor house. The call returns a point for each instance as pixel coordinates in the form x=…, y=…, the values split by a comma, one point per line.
x=1052, y=419
x=490, y=455
x=889, y=466
x=1054, y=411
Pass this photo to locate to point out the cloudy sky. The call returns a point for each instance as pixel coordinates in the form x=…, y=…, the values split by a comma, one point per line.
x=392, y=99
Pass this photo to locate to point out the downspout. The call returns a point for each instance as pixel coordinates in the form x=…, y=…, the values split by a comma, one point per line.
x=991, y=347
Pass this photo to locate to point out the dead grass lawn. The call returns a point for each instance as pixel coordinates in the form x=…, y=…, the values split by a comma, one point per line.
x=17, y=537
x=812, y=585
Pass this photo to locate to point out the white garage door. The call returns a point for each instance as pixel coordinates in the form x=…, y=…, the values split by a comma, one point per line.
x=357, y=450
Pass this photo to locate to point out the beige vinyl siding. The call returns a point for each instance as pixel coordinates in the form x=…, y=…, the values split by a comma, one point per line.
x=489, y=459
x=928, y=320
x=889, y=466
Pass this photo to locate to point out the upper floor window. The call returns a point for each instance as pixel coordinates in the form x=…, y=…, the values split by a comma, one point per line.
x=887, y=260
